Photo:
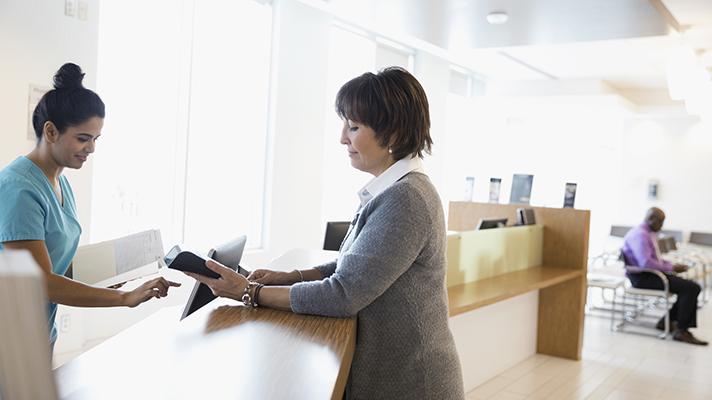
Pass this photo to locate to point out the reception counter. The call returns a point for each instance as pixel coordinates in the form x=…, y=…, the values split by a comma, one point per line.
x=515, y=291
x=223, y=351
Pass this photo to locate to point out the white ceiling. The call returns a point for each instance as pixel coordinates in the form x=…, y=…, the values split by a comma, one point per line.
x=622, y=42
x=630, y=63
x=691, y=12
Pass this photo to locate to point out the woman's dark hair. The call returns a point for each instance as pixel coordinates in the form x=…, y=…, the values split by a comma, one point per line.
x=68, y=104
x=394, y=105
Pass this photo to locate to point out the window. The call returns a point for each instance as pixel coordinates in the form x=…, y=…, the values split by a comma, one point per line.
x=228, y=122
x=184, y=143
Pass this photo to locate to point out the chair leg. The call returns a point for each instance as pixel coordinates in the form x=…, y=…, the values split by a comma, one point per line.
x=665, y=334
x=613, y=309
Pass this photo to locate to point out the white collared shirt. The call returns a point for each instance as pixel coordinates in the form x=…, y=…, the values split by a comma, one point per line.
x=390, y=176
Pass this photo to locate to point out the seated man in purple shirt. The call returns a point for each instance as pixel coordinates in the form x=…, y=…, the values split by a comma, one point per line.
x=641, y=249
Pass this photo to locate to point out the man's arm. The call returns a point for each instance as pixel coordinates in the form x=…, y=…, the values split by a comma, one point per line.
x=644, y=253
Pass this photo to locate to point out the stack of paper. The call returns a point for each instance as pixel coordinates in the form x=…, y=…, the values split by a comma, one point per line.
x=119, y=260
x=25, y=359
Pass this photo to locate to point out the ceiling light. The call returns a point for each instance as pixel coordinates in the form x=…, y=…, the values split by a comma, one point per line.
x=497, y=17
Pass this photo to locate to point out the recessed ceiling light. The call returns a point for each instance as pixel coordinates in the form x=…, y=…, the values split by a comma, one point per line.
x=497, y=17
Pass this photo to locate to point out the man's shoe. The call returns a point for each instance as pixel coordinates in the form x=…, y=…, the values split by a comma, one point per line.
x=683, y=335
x=661, y=325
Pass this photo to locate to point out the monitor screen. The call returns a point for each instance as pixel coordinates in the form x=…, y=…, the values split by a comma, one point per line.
x=335, y=233
x=489, y=223
x=228, y=254
x=525, y=216
x=521, y=189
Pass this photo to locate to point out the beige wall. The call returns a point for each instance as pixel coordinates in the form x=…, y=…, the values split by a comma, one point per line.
x=36, y=38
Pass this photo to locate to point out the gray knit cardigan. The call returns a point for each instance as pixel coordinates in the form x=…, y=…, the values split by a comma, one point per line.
x=390, y=273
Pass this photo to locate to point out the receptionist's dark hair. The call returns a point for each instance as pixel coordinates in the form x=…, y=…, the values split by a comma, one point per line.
x=394, y=105
x=68, y=104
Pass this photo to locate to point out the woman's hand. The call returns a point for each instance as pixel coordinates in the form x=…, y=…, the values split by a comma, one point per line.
x=157, y=288
x=269, y=277
x=230, y=284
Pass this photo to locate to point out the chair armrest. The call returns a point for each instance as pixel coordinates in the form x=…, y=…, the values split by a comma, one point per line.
x=663, y=278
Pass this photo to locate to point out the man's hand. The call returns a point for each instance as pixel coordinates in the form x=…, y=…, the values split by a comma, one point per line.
x=678, y=268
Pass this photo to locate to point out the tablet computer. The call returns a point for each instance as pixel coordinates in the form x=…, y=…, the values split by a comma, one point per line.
x=188, y=261
x=228, y=254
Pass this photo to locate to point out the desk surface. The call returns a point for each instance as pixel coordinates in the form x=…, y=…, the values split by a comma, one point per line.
x=470, y=296
x=223, y=351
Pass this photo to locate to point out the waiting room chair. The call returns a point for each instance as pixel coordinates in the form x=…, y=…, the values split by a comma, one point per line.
x=609, y=256
x=699, y=247
x=644, y=300
x=620, y=230
x=701, y=239
x=675, y=234
x=606, y=280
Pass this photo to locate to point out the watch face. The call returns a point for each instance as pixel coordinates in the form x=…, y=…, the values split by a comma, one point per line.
x=171, y=255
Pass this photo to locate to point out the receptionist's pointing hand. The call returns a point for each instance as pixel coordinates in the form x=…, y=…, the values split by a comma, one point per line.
x=230, y=284
x=157, y=288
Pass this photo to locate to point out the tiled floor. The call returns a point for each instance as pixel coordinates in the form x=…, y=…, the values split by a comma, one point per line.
x=615, y=366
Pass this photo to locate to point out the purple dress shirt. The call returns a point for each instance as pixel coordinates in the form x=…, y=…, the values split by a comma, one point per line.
x=640, y=249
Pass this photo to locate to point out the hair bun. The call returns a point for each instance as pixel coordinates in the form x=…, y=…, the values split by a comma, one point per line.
x=69, y=76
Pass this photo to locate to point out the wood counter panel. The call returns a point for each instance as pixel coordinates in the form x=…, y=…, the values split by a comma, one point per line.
x=473, y=295
x=565, y=229
x=560, y=324
x=224, y=350
x=565, y=246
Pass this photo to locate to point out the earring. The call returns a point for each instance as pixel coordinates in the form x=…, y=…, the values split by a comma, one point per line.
x=390, y=150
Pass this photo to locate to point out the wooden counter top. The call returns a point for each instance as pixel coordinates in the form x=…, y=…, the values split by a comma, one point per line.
x=470, y=296
x=223, y=351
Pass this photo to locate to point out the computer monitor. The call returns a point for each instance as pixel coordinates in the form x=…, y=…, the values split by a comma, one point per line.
x=228, y=254
x=525, y=216
x=489, y=223
x=335, y=234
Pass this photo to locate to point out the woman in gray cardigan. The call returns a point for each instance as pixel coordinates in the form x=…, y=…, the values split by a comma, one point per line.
x=390, y=271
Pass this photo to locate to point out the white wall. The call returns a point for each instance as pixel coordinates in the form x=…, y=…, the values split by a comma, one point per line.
x=675, y=151
x=36, y=38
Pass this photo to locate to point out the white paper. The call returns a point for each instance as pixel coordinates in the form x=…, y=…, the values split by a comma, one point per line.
x=128, y=257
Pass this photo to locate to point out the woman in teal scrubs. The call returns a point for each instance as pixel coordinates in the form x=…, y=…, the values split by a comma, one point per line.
x=37, y=209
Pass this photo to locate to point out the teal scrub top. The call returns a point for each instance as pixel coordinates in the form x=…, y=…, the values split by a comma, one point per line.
x=30, y=210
